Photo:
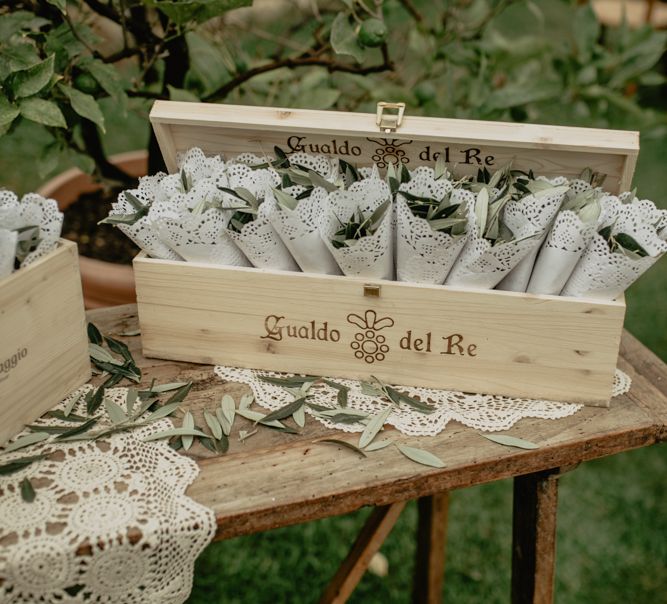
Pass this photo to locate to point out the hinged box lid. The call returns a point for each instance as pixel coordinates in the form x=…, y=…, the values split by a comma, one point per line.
x=357, y=138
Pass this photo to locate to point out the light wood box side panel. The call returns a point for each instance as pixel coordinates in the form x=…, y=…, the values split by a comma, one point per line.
x=363, y=124
x=43, y=335
x=523, y=345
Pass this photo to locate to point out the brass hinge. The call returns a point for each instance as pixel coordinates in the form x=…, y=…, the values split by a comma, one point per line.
x=389, y=122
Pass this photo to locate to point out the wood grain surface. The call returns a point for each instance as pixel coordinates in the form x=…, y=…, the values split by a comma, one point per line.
x=276, y=479
x=43, y=343
x=435, y=336
x=466, y=144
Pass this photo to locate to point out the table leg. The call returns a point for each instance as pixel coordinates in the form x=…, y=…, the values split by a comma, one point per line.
x=431, y=539
x=372, y=536
x=534, y=537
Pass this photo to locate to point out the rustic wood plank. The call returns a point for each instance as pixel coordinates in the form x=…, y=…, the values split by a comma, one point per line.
x=431, y=541
x=368, y=542
x=431, y=335
x=534, y=537
x=318, y=481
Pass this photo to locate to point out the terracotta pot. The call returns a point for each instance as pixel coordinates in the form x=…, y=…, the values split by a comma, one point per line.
x=104, y=283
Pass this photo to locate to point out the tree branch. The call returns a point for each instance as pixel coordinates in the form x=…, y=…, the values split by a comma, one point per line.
x=412, y=9
x=293, y=63
x=106, y=10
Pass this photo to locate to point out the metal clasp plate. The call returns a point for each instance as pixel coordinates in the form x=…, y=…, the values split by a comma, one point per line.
x=389, y=122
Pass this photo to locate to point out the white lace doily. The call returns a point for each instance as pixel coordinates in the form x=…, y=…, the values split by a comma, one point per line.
x=479, y=411
x=110, y=523
x=372, y=255
x=32, y=210
x=299, y=230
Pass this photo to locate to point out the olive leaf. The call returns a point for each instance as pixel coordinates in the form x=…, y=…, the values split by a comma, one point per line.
x=378, y=444
x=81, y=428
x=285, y=200
x=228, y=408
x=420, y=456
x=94, y=335
x=213, y=424
x=284, y=412
x=18, y=464
x=375, y=424
x=188, y=424
x=342, y=443
x=510, y=441
x=182, y=432
x=27, y=440
x=27, y=491
x=163, y=411
x=114, y=411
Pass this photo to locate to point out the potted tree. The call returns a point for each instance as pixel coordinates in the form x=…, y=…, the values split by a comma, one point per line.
x=77, y=67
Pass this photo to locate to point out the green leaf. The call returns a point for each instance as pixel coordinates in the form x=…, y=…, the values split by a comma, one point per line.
x=18, y=464
x=299, y=416
x=284, y=412
x=168, y=387
x=81, y=428
x=103, y=355
x=586, y=31
x=378, y=444
x=27, y=490
x=510, y=441
x=285, y=199
x=84, y=104
x=108, y=78
x=182, y=432
x=213, y=424
x=180, y=394
x=206, y=62
x=343, y=443
x=374, y=425
x=188, y=424
x=8, y=112
x=420, y=456
x=344, y=38
x=29, y=82
x=43, y=112
x=163, y=411
x=27, y=440
x=116, y=414
x=257, y=417
x=228, y=408
x=61, y=5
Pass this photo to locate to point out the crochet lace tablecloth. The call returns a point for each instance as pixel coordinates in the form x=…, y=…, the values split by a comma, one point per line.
x=480, y=411
x=110, y=522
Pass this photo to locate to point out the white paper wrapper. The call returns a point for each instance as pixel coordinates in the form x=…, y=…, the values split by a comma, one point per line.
x=299, y=230
x=543, y=207
x=603, y=274
x=143, y=231
x=201, y=238
x=422, y=254
x=370, y=256
x=32, y=210
x=481, y=265
x=197, y=166
x=258, y=240
x=7, y=251
x=565, y=244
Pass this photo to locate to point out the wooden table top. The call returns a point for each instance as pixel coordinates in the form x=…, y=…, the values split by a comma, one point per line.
x=275, y=479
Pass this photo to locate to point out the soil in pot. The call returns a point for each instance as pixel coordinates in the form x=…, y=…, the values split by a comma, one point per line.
x=99, y=241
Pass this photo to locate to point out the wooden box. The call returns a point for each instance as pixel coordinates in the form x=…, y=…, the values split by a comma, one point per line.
x=43, y=341
x=425, y=335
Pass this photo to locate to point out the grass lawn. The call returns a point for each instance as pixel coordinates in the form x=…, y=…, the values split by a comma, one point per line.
x=612, y=545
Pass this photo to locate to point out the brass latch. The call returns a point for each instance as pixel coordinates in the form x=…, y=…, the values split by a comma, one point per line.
x=389, y=122
x=371, y=290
